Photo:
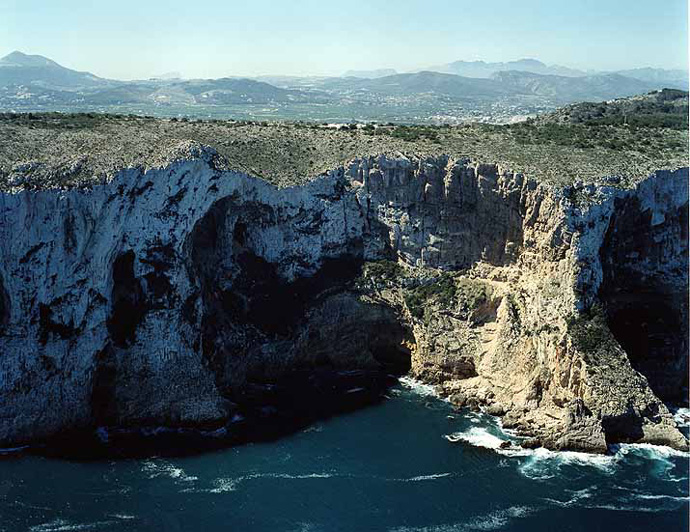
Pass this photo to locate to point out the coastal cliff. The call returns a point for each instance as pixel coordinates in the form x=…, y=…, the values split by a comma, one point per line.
x=192, y=295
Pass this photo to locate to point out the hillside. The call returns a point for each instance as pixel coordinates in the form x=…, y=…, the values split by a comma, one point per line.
x=22, y=69
x=42, y=150
x=664, y=108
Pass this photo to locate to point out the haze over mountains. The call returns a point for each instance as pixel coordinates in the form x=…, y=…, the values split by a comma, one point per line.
x=453, y=92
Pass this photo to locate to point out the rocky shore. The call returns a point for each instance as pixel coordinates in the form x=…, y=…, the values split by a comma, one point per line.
x=194, y=296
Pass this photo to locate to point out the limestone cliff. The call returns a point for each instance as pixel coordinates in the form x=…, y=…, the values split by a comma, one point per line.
x=169, y=296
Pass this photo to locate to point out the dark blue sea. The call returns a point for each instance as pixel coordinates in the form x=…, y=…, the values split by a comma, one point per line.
x=408, y=464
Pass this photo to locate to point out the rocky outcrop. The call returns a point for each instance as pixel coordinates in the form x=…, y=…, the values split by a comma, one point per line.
x=186, y=295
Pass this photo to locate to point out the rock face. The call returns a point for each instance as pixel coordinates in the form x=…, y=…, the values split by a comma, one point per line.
x=167, y=296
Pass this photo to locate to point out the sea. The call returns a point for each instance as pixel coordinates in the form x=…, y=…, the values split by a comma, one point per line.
x=408, y=464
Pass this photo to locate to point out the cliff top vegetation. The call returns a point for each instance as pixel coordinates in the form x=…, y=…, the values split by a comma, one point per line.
x=628, y=138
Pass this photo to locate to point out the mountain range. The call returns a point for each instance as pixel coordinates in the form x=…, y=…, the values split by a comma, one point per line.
x=457, y=90
x=481, y=69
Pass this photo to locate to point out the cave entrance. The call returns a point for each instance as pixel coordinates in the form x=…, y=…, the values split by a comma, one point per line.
x=395, y=358
x=317, y=318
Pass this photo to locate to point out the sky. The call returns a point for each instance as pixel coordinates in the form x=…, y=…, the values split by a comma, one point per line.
x=128, y=39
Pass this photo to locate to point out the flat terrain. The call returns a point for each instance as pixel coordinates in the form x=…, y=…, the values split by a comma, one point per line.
x=64, y=150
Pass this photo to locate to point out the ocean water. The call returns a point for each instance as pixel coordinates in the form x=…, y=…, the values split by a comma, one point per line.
x=408, y=464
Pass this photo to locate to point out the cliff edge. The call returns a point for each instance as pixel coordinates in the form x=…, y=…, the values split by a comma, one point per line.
x=189, y=294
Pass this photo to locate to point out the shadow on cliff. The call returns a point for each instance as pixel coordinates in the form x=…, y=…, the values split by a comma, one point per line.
x=645, y=291
x=284, y=352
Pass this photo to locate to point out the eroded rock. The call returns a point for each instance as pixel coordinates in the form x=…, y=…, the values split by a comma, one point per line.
x=165, y=296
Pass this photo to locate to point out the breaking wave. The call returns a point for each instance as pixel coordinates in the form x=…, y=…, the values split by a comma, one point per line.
x=162, y=468
x=61, y=525
x=492, y=521
x=477, y=436
x=223, y=485
x=682, y=417
x=536, y=464
x=621, y=499
x=418, y=387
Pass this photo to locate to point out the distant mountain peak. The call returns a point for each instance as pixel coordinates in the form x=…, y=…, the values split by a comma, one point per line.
x=483, y=69
x=370, y=74
x=528, y=61
x=19, y=68
x=18, y=58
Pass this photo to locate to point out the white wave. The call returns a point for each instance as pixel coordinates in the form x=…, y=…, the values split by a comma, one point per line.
x=577, y=496
x=508, y=432
x=223, y=485
x=31, y=506
x=477, y=436
x=124, y=517
x=453, y=527
x=60, y=525
x=491, y=521
x=473, y=418
x=662, y=456
x=626, y=508
x=307, y=527
x=682, y=417
x=538, y=464
x=647, y=497
x=161, y=468
x=649, y=450
x=542, y=464
x=498, y=519
x=422, y=478
x=418, y=387
x=631, y=500
x=299, y=477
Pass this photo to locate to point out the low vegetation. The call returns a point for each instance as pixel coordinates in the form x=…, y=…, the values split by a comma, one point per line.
x=384, y=270
x=441, y=291
x=590, y=331
x=65, y=150
x=459, y=295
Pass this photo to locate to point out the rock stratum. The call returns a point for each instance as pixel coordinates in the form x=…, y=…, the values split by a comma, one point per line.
x=191, y=296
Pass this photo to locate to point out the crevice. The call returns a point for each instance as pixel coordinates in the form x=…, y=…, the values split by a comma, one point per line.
x=5, y=307
x=48, y=327
x=103, y=391
x=127, y=300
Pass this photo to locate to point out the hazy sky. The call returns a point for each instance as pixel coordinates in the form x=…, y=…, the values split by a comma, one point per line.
x=213, y=38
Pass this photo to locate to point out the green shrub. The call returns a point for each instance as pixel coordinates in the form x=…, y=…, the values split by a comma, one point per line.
x=442, y=291
x=590, y=331
x=472, y=294
x=384, y=270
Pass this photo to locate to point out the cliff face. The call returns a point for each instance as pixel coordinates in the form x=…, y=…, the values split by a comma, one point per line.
x=187, y=295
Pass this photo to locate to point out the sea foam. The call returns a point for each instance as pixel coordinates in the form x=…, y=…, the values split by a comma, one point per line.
x=418, y=387
x=161, y=468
